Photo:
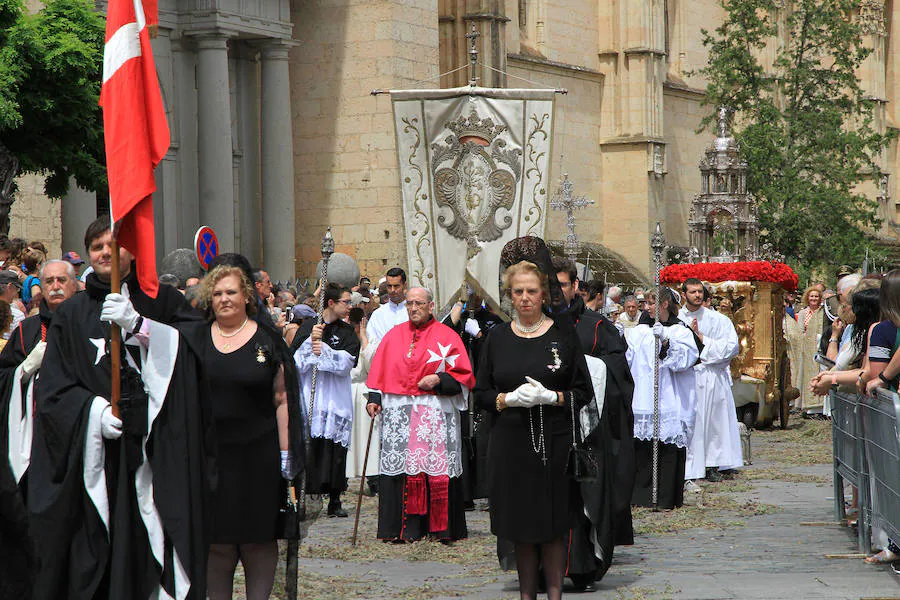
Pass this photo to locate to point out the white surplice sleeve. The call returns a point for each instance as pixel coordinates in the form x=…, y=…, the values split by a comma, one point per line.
x=721, y=344
x=339, y=362
x=682, y=352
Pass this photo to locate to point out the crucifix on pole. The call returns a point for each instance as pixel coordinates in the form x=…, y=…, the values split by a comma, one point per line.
x=473, y=55
x=564, y=200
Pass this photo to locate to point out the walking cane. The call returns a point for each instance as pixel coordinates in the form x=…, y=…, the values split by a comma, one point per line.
x=657, y=243
x=362, y=480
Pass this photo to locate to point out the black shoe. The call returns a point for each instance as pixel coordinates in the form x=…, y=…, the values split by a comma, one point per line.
x=713, y=475
x=335, y=510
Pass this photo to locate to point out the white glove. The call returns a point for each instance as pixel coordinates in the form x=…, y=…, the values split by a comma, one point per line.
x=34, y=359
x=539, y=393
x=119, y=310
x=658, y=330
x=620, y=328
x=472, y=327
x=517, y=399
x=110, y=426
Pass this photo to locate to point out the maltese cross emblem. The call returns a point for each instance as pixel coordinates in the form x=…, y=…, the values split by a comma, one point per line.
x=442, y=358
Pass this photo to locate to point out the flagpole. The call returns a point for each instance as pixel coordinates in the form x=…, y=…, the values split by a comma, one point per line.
x=115, y=334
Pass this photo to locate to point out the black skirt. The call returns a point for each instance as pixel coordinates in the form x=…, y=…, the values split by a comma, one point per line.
x=247, y=499
x=531, y=502
x=671, y=474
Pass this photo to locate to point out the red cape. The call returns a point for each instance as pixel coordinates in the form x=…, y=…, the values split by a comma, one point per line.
x=437, y=349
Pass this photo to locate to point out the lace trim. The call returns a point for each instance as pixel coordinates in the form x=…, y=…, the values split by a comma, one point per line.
x=330, y=426
x=672, y=430
x=420, y=439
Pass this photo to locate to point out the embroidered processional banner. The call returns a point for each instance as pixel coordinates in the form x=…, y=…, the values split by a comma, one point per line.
x=474, y=171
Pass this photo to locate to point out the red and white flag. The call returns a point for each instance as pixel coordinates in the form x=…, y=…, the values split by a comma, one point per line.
x=135, y=130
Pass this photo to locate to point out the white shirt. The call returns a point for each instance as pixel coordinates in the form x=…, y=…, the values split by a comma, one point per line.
x=384, y=319
x=18, y=316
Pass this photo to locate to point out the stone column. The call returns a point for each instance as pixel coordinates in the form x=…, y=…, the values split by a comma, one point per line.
x=277, y=163
x=215, y=156
x=79, y=209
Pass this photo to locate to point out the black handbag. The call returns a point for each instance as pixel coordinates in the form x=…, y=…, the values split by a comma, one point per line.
x=581, y=464
x=288, y=523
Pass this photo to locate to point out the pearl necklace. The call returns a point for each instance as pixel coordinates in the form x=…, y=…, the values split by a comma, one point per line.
x=221, y=333
x=529, y=328
x=538, y=445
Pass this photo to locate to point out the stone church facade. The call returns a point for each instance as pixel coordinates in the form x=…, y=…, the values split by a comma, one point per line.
x=275, y=136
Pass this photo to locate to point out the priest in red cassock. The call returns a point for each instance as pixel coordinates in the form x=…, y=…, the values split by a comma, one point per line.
x=423, y=375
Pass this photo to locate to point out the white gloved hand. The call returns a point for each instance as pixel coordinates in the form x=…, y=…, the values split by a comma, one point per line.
x=472, y=327
x=620, y=328
x=110, y=426
x=119, y=310
x=517, y=399
x=34, y=359
x=539, y=393
x=658, y=330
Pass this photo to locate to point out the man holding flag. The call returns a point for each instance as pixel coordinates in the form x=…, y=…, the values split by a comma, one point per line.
x=119, y=487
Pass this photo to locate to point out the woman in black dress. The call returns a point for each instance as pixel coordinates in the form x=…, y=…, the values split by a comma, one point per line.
x=250, y=410
x=530, y=372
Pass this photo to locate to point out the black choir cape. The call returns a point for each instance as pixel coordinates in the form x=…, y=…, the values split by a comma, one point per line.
x=77, y=557
x=607, y=501
x=16, y=552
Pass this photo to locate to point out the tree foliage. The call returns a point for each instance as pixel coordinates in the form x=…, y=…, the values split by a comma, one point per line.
x=50, y=74
x=804, y=122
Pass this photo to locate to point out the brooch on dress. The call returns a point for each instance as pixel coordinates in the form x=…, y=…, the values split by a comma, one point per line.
x=262, y=354
x=557, y=362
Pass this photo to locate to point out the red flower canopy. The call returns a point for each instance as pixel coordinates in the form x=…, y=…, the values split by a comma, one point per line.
x=758, y=270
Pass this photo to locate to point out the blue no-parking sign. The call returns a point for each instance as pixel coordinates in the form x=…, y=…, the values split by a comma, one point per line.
x=206, y=245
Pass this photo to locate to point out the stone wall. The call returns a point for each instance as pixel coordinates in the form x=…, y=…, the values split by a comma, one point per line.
x=684, y=149
x=575, y=140
x=34, y=216
x=344, y=142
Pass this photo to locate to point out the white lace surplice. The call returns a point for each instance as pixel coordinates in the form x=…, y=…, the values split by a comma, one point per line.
x=420, y=434
x=677, y=393
x=333, y=410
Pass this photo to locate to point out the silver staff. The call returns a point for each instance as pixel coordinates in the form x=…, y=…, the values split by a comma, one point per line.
x=304, y=514
x=657, y=244
x=327, y=251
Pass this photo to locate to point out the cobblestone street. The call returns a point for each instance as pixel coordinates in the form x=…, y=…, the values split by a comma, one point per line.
x=765, y=535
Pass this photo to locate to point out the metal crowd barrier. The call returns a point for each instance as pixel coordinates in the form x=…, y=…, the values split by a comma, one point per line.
x=849, y=457
x=880, y=418
x=866, y=442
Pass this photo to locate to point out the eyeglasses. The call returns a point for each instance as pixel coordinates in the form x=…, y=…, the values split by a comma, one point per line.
x=345, y=301
x=416, y=303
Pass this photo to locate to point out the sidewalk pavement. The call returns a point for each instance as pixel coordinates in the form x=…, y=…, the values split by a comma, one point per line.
x=771, y=556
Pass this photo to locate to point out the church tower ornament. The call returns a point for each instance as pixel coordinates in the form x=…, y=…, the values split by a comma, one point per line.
x=723, y=222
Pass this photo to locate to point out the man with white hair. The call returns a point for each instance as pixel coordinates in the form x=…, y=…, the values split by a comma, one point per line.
x=613, y=297
x=20, y=362
x=422, y=375
x=21, y=359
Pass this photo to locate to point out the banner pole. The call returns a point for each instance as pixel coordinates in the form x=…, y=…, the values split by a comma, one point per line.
x=115, y=334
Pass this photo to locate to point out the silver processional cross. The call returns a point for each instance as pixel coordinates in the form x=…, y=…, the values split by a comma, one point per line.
x=564, y=200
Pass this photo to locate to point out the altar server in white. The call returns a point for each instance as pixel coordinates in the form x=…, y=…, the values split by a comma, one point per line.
x=716, y=444
x=678, y=354
x=393, y=312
